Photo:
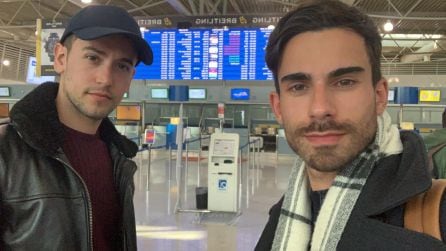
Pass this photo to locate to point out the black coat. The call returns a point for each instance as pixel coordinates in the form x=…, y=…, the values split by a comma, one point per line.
x=377, y=220
x=44, y=204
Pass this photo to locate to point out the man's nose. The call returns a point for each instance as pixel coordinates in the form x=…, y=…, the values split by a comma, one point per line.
x=321, y=102
x=104, y=75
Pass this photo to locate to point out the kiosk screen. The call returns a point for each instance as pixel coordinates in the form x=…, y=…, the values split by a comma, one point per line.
x=223, y=147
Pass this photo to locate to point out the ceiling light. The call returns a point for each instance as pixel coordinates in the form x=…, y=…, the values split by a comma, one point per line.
x=86, y=1
x=271, y=27
x=6, y=62
x=388, y=26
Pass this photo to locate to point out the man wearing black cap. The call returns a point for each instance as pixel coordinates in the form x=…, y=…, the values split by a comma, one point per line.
x=66, y=180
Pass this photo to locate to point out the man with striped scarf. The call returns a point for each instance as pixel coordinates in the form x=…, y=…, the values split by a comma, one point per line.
x=355, y=171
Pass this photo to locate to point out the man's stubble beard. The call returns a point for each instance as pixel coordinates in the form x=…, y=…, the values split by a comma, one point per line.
x=81, y=107
x=332, y=158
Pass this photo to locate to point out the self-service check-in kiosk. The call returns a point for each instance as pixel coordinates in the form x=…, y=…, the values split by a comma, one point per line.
x=222, y=172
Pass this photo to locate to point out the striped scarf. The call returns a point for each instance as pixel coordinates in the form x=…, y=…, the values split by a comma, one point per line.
x=294, y=228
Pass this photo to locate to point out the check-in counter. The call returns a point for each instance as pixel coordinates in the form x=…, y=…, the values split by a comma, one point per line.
x=193, y=138
x=130, y=131
x=242, y=132
x=160, y=136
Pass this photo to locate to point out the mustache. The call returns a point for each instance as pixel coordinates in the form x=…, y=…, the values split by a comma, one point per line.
x=325, y=125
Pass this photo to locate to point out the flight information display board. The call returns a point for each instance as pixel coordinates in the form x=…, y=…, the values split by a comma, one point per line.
x=207, y=54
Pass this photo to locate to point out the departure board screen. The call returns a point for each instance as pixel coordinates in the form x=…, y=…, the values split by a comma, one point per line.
x=207, y=54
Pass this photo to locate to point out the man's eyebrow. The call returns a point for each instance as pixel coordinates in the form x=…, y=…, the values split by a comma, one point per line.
x=345, y=70
x=298, y=76
x=91, y=48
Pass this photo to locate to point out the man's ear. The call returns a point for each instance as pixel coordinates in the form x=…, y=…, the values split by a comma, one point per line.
x=381, y=93
x=60, y=58
x=274, y=101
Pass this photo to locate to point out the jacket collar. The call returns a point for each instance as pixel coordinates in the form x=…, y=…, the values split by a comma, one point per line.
x=397, y=178
x=36, y=120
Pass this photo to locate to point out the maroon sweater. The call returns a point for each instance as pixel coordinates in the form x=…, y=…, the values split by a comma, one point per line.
x=89, y=156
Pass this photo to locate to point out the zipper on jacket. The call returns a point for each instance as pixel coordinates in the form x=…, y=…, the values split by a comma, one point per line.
x=90, y=210
x=124, y=194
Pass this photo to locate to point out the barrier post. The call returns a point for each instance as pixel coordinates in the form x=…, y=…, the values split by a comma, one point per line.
x=148, y=167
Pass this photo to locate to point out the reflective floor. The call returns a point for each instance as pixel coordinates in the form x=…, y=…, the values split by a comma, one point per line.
x=165, y=210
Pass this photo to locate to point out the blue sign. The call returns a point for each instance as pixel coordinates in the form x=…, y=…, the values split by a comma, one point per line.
x=222, y=184
x=240, y=94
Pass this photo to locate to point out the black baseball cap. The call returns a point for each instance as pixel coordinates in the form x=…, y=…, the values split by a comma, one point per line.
x=98, y=21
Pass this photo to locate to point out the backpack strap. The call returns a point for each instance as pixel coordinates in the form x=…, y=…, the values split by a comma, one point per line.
x=430, y=156
x=422, y=212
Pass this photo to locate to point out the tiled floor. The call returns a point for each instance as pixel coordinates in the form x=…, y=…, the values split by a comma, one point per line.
x=163, y=224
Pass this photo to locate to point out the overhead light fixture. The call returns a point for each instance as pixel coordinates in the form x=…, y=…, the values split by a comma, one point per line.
x=6, y=62
x=388, y=26
x=271, y=27
x=86, y=1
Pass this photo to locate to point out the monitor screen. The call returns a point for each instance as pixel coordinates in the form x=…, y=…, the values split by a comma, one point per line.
x=32, y=78
x=233, y=53
x=240, y=94
x=128, y=112
x=4, y=110
x=4, y=91
x=430, y=96
x=223, y=147
x=391, y=95
x=197, y=93
x=159, y=93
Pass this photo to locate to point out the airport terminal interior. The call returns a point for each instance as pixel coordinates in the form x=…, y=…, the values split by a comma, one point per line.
x=212, y=158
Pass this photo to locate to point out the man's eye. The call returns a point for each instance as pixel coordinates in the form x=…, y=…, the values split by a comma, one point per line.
x=92, y=57
x=124, y=67
x=299, y=87
x=345, y=83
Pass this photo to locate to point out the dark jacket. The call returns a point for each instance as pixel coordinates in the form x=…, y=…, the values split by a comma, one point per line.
x=376, y=222
x=45, y=204
x=432, y=140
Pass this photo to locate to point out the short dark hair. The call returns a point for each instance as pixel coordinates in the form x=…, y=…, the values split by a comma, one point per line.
x=319, y=15
x=68, y=42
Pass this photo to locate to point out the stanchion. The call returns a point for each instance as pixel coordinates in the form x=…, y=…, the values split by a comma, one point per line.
x=198, y=164
x=148, y=167
x=239, y=180
x=258, y=162
x=185, y=173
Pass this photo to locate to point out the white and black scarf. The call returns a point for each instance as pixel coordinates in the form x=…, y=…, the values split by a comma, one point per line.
x=294, y=228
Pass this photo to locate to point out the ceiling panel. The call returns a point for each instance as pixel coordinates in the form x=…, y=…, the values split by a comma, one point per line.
x=17, y=17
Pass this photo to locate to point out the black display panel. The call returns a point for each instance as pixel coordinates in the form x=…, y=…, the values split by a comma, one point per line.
x=207, y=54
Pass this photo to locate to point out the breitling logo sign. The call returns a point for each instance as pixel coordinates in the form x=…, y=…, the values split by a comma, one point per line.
x=206, y=21
x=48, y=34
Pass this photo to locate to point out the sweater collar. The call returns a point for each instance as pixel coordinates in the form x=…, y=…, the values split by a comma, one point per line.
x=36, y=120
